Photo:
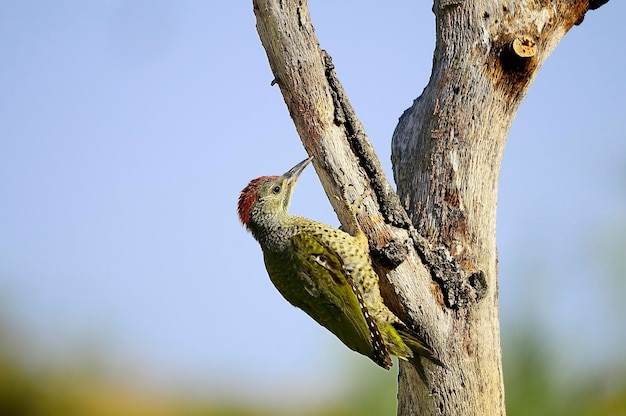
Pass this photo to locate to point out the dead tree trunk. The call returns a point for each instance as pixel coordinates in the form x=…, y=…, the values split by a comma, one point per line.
x=439, y=265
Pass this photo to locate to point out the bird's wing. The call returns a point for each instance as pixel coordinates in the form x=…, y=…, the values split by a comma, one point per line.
x=339, y=306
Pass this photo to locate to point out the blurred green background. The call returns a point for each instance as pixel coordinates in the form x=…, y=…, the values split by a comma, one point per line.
x=127, y=286
x=78, y=385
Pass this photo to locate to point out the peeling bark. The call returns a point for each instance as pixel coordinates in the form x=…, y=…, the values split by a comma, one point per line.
x=438, y=264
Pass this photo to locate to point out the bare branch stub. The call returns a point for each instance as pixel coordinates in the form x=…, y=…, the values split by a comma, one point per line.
x=524, y=46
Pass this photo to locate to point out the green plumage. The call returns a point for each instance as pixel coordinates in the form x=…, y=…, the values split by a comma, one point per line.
x=327, y=273
x=322, y=292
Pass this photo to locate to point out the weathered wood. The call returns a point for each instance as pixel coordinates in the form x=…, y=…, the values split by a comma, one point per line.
x=446, y=153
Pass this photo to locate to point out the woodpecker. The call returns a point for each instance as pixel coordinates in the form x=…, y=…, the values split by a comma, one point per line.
x=327, y=273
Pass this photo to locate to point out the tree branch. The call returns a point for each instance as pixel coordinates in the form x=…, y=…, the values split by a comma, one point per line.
x=330, y=131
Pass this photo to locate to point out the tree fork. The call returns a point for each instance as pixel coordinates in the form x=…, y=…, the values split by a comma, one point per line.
x=446, y=154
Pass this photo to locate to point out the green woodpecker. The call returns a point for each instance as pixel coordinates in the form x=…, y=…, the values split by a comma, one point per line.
x=326, y=272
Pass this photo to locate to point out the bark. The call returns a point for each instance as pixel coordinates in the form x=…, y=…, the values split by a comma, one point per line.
x=439, y=264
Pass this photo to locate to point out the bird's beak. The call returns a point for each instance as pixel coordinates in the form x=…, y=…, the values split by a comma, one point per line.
x=294, y=173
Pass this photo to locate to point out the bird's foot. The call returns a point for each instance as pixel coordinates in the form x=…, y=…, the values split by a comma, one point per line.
x=353, y=206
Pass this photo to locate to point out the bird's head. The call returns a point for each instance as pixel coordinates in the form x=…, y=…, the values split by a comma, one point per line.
x=268, y=197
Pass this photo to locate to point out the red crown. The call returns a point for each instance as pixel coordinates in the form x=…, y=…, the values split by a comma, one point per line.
x=247, y=197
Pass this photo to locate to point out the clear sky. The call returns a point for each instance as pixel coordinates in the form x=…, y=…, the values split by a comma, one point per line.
x=128, y=129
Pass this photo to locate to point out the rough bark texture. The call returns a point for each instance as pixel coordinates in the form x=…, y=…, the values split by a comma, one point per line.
x=439, y=268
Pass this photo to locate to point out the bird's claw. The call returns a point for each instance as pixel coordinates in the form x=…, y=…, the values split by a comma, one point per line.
x=353, y=206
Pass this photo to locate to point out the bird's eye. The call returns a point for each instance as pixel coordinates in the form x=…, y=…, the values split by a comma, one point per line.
x=276, y=189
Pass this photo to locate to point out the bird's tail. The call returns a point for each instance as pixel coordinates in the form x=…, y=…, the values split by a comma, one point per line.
x=420, y=349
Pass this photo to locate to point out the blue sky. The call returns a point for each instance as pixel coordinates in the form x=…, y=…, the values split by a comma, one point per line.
x=129, y=128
